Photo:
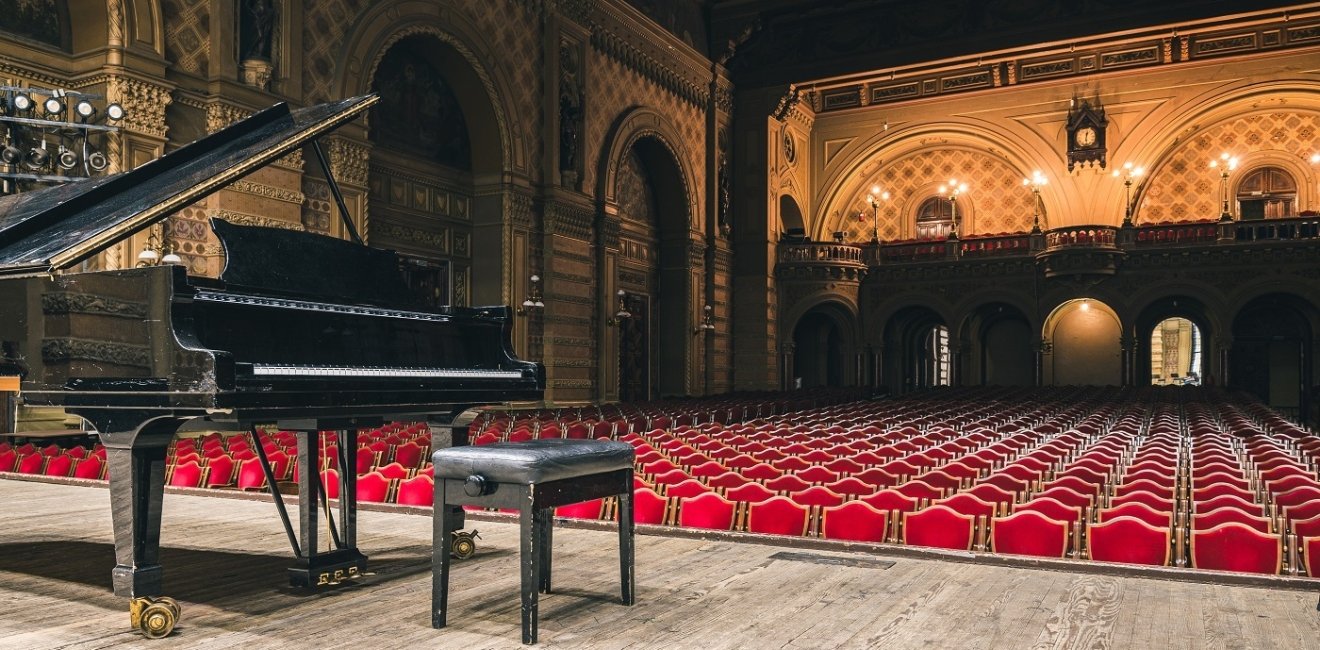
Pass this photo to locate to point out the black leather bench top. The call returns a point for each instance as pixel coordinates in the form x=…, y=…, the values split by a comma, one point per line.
x=533, y=461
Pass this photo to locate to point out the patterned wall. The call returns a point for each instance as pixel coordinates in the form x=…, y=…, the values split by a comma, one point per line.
x=1000, y=203
x=508, y=29
x=613, y=89
x=1185, y=189
x=187, y=34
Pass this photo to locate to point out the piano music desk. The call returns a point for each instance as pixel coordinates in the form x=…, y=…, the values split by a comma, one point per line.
x=533, y=477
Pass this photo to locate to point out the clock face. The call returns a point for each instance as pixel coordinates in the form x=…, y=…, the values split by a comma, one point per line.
x=1084, y=137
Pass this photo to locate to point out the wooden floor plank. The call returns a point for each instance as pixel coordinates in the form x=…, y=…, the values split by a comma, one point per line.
x=225, y=560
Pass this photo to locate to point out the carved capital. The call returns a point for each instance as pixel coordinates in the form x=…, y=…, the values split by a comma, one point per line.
x=349, y=162
x=144, y=104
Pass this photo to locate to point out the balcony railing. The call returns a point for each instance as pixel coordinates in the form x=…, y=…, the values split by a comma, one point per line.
x=819, y=252
x=1081, y=237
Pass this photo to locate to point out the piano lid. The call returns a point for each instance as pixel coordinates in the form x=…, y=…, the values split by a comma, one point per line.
x=54, y=228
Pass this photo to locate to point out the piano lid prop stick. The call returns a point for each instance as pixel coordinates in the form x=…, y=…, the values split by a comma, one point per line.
x=334, y=191
x=325, y=501
x=275, y=492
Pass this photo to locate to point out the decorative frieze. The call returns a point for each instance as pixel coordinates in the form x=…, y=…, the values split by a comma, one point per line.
x=618, y=48
x=56, y=350
x=243, y=219
x=89, y=303
x=268, y=191
x=220, y=115
x=566, y=220
x=573, y=342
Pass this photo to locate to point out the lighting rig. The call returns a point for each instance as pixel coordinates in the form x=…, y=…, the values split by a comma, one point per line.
x=47, y=136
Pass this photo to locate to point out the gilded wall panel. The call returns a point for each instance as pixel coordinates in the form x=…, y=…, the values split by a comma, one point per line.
x=1185, y=188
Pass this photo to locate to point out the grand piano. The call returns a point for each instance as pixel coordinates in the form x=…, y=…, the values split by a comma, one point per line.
x=305, y=332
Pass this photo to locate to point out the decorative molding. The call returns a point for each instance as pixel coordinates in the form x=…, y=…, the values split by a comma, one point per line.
x=350, y=162
x=573, y=342
x=573, y=383
x=243, y=219
x=144, y=104
x=89, y=303
x=569, y=221
x=268, y=191
x=518, y=209
x=220, y=114
x=617, y=47
x=428, y=238
x=70, y=349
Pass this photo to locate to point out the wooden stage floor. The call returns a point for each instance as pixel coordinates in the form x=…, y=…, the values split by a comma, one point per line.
x=225, y=560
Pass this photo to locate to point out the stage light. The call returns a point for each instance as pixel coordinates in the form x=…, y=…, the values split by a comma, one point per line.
x=11, y=155
x=22, y=102
x=66, y=159
x=84, y=110
x=114, y=112
x=38, y=157
x=53, y=106
x=97, y=161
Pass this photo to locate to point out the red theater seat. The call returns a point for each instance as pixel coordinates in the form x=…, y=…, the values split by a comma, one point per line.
x=416, y=491
x=1029, y=533
x=939, y=527
x=855, y=521
x=778, y=516
x=708, y=510
x=1128, y=540
x=1233, y=546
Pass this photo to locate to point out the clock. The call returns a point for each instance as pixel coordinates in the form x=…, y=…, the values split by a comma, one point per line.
x=1084, y=137
x=1086, y=134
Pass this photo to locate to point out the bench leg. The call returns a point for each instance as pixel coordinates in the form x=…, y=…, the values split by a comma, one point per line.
x=626, y=543
x=547, y=546
x=440, y=543
x=530, y=557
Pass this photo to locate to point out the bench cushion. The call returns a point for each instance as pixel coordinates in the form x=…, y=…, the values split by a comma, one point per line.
x=534, y=461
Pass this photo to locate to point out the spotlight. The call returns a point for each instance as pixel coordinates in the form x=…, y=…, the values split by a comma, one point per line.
x=53, y=106
x=11, y=155
x=66, y=159
x=114, y=112
x=22, y=102
x=97, y=161
x=38, y=157
x=84, y=109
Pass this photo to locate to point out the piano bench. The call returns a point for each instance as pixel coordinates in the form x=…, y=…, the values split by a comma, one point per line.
x=533, y=477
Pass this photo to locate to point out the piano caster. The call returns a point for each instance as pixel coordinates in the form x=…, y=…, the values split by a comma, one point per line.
x=464, y=545
x=153, y=617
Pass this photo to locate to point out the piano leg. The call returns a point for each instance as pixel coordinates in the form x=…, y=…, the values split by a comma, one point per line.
x=317, y=568
x=136, y=465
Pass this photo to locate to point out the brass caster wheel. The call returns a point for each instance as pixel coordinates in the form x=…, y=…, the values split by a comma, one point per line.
x=154, y=618
x=464, y=545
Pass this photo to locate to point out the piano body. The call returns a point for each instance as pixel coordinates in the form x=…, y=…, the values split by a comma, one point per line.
x=303, y=331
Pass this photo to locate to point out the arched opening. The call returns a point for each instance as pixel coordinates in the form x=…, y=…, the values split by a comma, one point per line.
x=1083, y=341
x=1176, y=353
x=421, y=191
x=922, y=355
x=1174, y=338
x=654, y=272
x=1267, y=193
x=790, y=219
x=1004, y=347
x=1271, y=354
x=935, y=218
x=820, y=349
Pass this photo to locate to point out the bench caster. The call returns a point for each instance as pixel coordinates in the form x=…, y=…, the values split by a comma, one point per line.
x=153, y=617
x=463, y=545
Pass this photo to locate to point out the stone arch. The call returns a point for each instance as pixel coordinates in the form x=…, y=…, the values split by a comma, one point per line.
x=679, y=267
x=825, y=343
x=1082, y=340
x=484, y=89
x=790, y=216
x=1179, y=147
x=996, y=342
x=1174, y=304
x=902, y=345
x=846, y=186
x=116, y=24
x=1272, y=354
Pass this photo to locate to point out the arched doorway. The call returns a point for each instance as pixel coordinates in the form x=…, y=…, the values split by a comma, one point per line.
x=654, y=272
x=1271, y=354
x=1082, y=338
x=432, y=120
x=922, y=355
x=822, y=345
x=1174, y=336
x=1004, y=352
x=1267, y=193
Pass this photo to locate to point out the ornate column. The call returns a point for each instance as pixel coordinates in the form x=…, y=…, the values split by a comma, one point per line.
x=141, y=139
x=787, y=380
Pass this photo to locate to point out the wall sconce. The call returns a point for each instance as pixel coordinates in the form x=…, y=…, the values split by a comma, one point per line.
x=622, y=314
x=1225, y=164
x=155, y=253
x=533, y=299
x=1128, y=173
x=951, y=192
x=1035, y=182
x=707, y=323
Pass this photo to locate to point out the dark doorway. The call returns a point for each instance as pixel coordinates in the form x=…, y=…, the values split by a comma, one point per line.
x=635, y=352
